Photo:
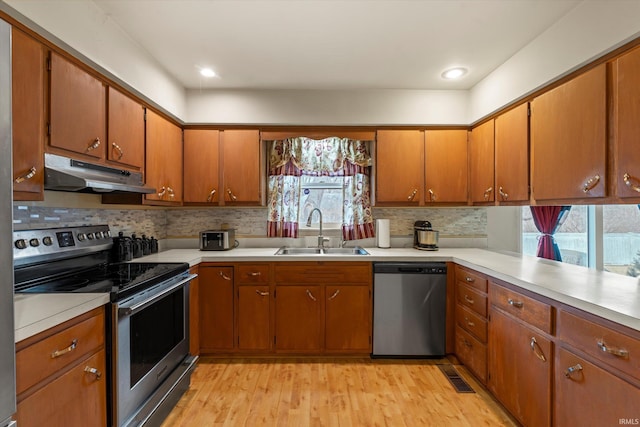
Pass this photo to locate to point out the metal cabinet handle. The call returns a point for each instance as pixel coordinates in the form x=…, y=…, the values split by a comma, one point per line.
x=335, y=294
x=224, y=276
x=571, y=369
x=504, y=195
x=172, y=194
x=516, y=304
x=262, y=293
x=535, y=347
x=627, y=180
x=30, y=174
x=432, y=195
x=310, y=295
x=412, y=195
x=231, y=195
x=64, y=351
x=254, y=273
x=591, y=183
x=93, y=371
x=467, y=343
x=469, y=322
x=469, y=300
x=96, y=144
x=487, y=193
x=213, y=193
x=117, y=147
x=618, y=352
x=469, y=279
x=162, y=192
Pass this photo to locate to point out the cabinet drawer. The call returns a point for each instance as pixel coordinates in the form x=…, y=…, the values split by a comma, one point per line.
x=471, y=278
x=472, y=322
x=471, y=298
x=472, y=353
x=323, y=272
x=253, y=273
x=51, y=354
x=612, y=347
x=535, y=313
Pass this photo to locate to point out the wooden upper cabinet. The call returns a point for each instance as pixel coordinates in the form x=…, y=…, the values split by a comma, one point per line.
x=163, y=159
x=241, y=167
x=201, y=166
x=569, y=139
x=627, y=125
x=125, y=131
x=399, y=167
x=446, y=166
x=512, y=155
x=77, y=110
x=482, y=163
x=28, y=67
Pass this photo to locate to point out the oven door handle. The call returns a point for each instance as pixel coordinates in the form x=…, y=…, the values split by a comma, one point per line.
x=128, y=310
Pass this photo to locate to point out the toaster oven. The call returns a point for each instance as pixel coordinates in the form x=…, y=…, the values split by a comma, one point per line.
x=217, y=240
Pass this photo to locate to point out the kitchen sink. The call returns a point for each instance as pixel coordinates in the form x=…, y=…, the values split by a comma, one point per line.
x=357, y=250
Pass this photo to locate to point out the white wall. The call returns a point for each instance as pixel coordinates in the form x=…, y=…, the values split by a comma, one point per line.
x=504, y=228
x=85, y=28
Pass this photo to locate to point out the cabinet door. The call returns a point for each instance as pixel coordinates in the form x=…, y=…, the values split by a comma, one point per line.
x=399, y=167
x=253, y=317
x=28, y=64
x=348, y=318
x=216, y=308
x=627, y=125
x=77, y=109
x=241, y=168
x=201, y=166
x=163, y=159
x=194, y=313
x=568, y=139
x=519, y=365
x=482, y=163
x=76, y=398
x=446, y=166
x=298, y=318
x=587, y=395
x=126, y=130
x=512, y=155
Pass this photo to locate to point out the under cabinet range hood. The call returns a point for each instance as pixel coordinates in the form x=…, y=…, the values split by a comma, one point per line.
x=65, y=174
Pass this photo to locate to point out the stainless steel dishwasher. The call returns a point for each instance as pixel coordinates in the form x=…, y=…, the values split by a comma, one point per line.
x=409, y=309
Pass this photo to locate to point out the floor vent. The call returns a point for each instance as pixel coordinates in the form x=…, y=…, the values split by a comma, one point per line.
x=455, y=379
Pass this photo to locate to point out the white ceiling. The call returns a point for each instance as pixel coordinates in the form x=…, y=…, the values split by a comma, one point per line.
x=332, y=44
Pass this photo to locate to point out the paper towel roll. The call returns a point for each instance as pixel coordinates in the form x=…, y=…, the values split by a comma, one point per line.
x=383, y=233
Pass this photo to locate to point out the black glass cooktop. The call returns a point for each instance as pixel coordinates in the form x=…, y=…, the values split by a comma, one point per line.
x=119, y=279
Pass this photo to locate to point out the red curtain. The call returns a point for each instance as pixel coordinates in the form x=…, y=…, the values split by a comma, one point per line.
x=547, y=220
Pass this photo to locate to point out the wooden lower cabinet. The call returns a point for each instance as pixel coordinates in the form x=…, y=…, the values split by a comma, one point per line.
x=472, y=353
x=216, y=308
x=348, y=318
x=520, y=364
x=254, y=317
x=299, y=318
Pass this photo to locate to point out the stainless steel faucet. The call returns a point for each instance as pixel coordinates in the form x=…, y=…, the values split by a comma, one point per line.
x=321, y=238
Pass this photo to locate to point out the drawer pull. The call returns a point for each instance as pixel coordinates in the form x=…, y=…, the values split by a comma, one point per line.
x=469, y=322
x=591, y=183
x=93, y=371
x=571, y=369
x=96, y=143
x=30, y=174
x=470, y=279
x=469, y=300
x=310, y=295
x=535, y=347
x=120, y=152
x=335, y=294
x=467, y=343
x=254, y=273
x=210, y=197
x=224, y=276
x=262, y=293
x=516, y=304
x=69, y=349
x=619, y=352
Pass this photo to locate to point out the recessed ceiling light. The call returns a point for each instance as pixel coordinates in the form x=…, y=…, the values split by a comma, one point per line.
x=207, y=72
x=454, y=73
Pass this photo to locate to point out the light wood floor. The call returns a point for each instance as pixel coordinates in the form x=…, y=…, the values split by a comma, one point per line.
x=331, y=392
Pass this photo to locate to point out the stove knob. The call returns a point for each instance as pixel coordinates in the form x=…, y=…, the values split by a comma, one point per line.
x=81, y=236
x=47, y=241
x=90, y=236
x=34, y=242
x=98, y=234
x=106, y=234
x=21, y=244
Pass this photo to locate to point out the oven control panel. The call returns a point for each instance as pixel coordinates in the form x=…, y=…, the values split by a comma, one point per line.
x=51, y=243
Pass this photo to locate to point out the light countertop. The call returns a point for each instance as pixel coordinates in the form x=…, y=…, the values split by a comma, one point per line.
x=611, y=296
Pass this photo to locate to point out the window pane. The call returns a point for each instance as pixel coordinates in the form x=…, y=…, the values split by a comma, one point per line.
x=328, y=200
x=621, y=240
x=571, y=236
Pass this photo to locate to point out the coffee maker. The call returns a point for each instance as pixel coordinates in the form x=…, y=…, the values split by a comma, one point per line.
x=424, y=237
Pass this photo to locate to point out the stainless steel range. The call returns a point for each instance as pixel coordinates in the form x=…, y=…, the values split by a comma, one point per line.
x=148, y=328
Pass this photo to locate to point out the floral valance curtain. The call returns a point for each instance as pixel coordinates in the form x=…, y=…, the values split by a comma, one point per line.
x=291, y=158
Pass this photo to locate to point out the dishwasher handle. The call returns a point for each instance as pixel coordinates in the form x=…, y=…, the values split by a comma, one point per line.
x=410, y=268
